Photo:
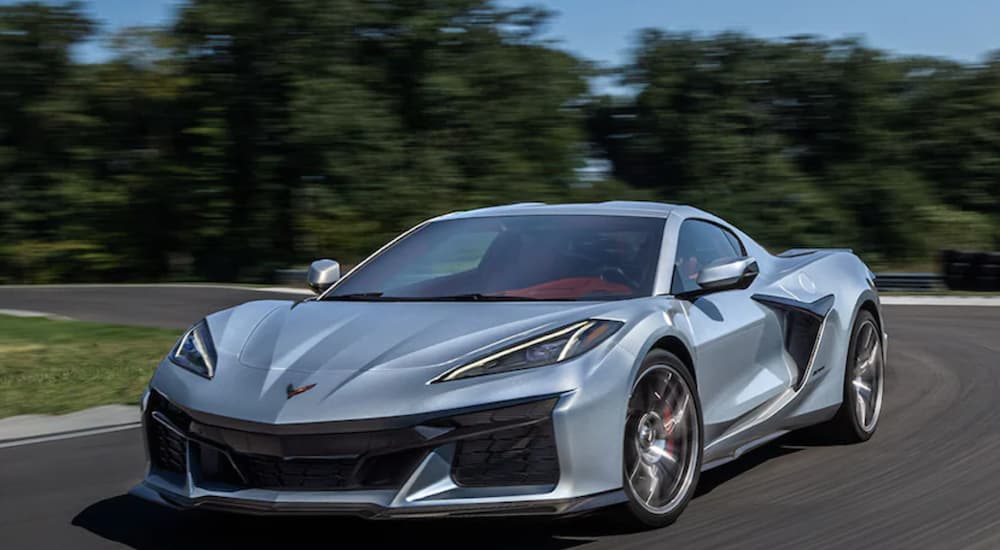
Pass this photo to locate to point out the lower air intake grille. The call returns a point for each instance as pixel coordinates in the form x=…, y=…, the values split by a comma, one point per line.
x=523, y=455
x=506, y=446
x=267, y=472
x=167, y=449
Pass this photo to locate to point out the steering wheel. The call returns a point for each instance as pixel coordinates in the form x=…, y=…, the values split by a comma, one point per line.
x=612, y=274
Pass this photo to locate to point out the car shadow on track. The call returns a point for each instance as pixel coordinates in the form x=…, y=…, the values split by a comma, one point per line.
x=142, y=525
x=717, y=476
x=136, y=523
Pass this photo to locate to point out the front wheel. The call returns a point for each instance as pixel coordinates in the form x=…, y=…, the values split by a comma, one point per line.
x=663, y=441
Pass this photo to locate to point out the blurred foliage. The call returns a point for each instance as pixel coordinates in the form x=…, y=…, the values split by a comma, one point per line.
x=814, y=143
x=255, y=135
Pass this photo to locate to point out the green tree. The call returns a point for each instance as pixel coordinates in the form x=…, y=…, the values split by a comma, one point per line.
x=245, y=137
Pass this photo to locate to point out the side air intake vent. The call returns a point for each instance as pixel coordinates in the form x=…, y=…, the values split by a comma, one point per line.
x=801, y=337
x=803, y=325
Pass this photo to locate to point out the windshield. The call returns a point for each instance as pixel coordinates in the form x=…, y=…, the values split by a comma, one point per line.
x=535, y=257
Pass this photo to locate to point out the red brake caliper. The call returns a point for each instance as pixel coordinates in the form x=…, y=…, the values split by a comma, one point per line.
x=667, y=426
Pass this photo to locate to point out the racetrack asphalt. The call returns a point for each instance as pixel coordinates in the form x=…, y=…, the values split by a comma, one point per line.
x=929, y=478
x=162, y=306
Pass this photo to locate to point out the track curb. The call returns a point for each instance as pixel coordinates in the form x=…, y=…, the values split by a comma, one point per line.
x=944, y=301
x=36, y=428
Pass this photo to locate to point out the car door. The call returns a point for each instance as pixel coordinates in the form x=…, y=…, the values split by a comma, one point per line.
x=739, y=347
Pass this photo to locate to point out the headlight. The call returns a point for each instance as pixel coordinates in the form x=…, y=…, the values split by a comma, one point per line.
x=558, y=345
x=195, y=351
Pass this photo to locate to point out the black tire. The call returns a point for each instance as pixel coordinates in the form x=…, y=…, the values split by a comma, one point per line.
x=635, y=513
x=847, y=425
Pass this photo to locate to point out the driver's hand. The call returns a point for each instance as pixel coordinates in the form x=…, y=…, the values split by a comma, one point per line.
x=691, y=268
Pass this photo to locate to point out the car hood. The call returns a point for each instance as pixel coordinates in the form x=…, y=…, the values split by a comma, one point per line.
x=365, y=359
x=312, y=337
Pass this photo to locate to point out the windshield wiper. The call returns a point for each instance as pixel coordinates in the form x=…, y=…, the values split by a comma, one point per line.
x=471, y=297
x=477, y=297
x=362, y=296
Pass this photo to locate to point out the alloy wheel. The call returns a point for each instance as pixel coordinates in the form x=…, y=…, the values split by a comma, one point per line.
x=661, y=439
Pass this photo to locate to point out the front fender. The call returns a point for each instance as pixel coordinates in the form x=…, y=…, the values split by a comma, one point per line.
x=669, y=322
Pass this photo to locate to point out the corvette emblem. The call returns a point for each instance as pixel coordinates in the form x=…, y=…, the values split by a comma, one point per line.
x=291, y=391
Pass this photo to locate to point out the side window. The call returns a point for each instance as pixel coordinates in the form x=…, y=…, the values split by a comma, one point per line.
x=700, y=243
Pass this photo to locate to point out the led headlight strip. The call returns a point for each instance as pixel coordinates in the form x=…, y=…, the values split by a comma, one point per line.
x=550, y=348
x=195, y=351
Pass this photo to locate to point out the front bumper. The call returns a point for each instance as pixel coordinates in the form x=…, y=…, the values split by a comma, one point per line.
x=500, y=459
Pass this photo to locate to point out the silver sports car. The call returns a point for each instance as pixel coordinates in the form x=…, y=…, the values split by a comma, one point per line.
x=524, y=359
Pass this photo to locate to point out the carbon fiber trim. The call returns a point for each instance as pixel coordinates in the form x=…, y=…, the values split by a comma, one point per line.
x=817, y=309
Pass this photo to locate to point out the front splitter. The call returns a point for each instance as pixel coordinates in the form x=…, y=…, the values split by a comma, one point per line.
x=553, y=507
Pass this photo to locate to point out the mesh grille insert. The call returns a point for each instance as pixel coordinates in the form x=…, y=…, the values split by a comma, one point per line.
x=266, y=472
x=167, y=449
x=524, y=455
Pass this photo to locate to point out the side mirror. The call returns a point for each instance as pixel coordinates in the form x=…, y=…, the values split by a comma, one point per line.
x=728, y=273
x=322, y=275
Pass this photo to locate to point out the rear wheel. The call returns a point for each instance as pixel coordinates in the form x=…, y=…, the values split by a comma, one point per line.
x=663, y=441
x=864, y=385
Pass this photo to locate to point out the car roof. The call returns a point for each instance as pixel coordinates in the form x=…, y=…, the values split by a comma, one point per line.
x=609, y=208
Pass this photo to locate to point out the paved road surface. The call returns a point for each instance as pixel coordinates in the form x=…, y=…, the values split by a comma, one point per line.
x=930, y=478
x=166, y=306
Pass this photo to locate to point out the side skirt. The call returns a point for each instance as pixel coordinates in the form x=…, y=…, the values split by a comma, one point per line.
x=803, y=421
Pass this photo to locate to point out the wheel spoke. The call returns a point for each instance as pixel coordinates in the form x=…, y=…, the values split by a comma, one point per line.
x=863, y=366
x=664, y=454
x=666, y=478
x=869, y=337
x=663, y=393
x=654, y=484
x=868, y=347
x=862, y=406
x=681, y=411
x=678, y=432
x=644, y=480
x=873, y=356
x=636, y=469
x=863, y=395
